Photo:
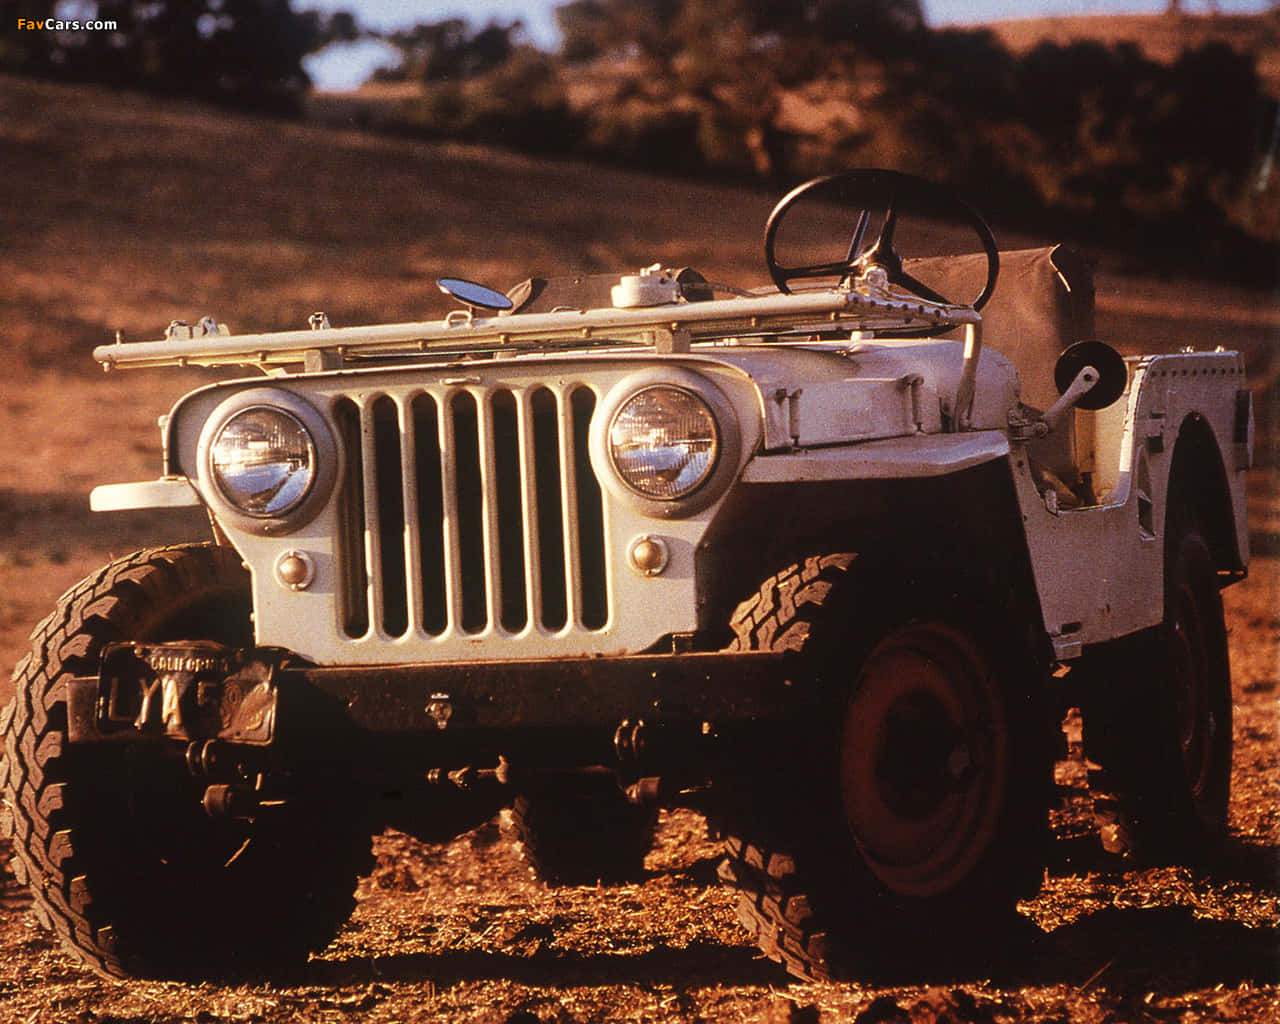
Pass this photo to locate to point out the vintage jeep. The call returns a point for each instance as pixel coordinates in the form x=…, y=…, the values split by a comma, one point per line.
x=829, y=563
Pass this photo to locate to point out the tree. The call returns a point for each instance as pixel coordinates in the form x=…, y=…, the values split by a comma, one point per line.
x=450, y=50
x=628, y=28
x=661, y=29
x=244, y=52
x=698, y=82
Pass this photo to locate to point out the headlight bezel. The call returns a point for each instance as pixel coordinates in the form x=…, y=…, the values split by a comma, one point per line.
x=729, y=441
x=324, y=444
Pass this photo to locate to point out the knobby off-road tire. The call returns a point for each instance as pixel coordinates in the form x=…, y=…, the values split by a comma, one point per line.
x=582, y=831
x=1159, y=721
x=910, y=814
x=123, y=864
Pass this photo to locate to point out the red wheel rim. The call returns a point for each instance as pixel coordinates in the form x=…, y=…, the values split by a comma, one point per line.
x=924, y=759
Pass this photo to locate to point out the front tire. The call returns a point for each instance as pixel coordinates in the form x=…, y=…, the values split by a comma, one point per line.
x=123, y=864
x=914, y=806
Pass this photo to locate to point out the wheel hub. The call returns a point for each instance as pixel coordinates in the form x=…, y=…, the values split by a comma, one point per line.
x=922, y=759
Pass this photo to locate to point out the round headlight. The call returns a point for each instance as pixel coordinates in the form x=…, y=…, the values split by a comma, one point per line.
x=664, y=442
x=263, y=461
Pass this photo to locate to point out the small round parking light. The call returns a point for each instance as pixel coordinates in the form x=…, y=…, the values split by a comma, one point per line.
x=648, y=556
x=295, y=570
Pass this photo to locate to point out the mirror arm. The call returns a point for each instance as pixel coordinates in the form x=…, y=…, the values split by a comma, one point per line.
x=1083, y=383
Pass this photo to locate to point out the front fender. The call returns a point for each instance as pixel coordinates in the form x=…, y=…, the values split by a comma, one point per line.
x=943, y=503
x=913, y=457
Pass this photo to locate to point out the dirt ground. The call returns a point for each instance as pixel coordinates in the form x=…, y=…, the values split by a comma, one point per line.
x=462, y=932
x=128, y=212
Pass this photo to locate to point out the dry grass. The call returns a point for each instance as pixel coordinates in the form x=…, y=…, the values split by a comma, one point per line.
x=127, y=211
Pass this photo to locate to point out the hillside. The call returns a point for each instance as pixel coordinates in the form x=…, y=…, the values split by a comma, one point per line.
x=1162, y=38
x=122, y=210
x=1111, y=127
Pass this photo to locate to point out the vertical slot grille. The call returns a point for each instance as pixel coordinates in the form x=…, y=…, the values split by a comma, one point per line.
x=465, y=511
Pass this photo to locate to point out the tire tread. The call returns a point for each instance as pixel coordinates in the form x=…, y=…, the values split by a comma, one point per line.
x=36, y=777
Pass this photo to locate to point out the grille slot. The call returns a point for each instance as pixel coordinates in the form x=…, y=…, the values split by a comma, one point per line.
x=428, y=500
x=389, y=539
x=589, y=519
x=469, y=511
x=549, y=518
x=354, y=579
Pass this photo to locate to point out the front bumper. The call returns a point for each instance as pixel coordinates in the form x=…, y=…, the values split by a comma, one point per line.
x=565, y=712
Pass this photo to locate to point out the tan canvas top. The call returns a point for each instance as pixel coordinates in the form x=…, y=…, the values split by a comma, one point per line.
x=1042, y=304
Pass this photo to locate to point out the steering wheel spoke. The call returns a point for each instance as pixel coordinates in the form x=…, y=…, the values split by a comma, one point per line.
x=917, y=287
x=855, y=243
x=890, y=226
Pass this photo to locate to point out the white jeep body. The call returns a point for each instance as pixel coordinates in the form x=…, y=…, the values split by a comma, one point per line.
x=794, y=415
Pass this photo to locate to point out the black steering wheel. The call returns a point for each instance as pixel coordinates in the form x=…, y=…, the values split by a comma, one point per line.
x=880, y=197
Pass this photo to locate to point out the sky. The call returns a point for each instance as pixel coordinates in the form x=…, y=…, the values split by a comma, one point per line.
x=348, y=67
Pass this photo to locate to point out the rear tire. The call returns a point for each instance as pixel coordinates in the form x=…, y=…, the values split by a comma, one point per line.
x=123, y=864
x=911, y=813
x=1159, y=721
x=583, y=831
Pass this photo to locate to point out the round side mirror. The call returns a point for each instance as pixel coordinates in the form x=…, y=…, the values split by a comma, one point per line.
x=474, y=295
x=1113, y=374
